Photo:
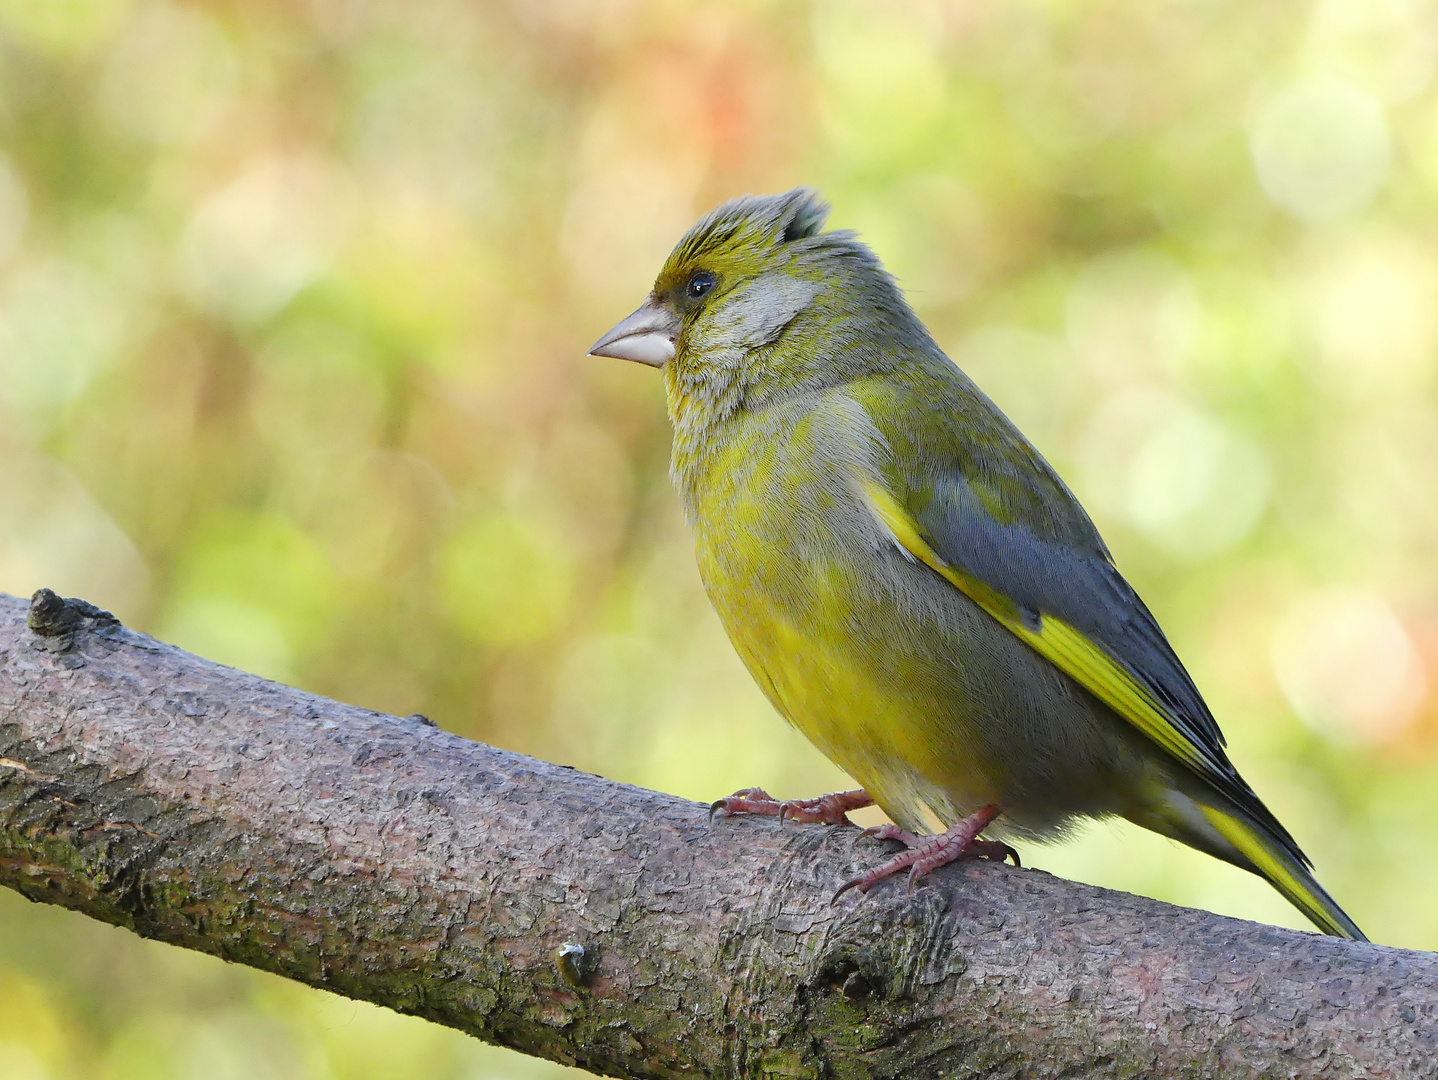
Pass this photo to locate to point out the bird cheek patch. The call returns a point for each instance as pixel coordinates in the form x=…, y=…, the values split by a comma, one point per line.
x=755, y=315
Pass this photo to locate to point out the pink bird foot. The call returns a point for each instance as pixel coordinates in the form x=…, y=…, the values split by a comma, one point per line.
x=825, y=810
x=928, y=853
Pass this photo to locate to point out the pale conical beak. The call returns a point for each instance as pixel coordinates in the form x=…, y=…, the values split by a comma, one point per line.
x=646, y=337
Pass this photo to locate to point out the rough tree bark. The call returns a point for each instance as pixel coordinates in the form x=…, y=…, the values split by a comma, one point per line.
x=381, y=858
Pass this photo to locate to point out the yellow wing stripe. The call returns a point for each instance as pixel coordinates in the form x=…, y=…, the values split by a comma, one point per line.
x=1103, y=677
x=1055, y=640
x=1293, y=882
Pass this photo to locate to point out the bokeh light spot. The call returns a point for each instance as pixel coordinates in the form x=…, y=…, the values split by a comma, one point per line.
x=1348, y=667
x=1321, y=149
x=1373, y=309
x=60, y=326
x=1194, y=485
x=259, y=240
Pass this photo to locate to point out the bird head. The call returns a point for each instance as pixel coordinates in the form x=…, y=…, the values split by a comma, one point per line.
x=737, y=265
x=754, y=270
x=756, y=305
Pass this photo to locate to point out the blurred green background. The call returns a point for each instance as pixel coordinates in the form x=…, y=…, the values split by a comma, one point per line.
x=294, y=299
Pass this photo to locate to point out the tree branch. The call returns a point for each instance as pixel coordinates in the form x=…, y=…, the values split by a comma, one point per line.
x=384, y=859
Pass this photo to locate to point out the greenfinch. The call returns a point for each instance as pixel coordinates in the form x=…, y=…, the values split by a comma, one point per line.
x=907, y=579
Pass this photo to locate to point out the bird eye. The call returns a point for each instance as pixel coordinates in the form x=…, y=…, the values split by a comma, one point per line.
x=699, y=284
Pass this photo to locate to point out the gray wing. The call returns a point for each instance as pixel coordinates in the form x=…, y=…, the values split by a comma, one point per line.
x=1048, y=559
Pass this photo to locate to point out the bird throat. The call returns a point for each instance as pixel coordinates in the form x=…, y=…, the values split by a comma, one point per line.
x=704, y=395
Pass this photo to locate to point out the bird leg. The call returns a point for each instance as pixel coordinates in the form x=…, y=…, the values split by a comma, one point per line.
x=928, y=853
x=825, y=810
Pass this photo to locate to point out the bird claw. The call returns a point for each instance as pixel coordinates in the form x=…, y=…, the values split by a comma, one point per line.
x=928, y=853
x=751, y=800
x=832, y=809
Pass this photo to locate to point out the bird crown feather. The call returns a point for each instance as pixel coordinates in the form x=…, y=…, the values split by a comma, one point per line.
x=782, y=219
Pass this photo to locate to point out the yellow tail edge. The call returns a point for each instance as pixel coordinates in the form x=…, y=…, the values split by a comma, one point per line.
x=1284, y=873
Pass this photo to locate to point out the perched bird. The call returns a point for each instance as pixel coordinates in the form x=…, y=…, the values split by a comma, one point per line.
x=908, y=580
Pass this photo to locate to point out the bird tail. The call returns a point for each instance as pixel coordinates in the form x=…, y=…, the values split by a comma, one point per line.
x=1234, y=836
x=1285, y=870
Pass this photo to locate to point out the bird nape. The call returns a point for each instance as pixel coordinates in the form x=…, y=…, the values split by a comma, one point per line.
x=907, y=579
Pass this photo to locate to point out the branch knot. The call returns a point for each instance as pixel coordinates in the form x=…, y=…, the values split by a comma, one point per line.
x=53, y=616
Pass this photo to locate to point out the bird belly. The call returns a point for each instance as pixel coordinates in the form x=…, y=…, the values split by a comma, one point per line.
x=913, y=690
x=863, y=723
